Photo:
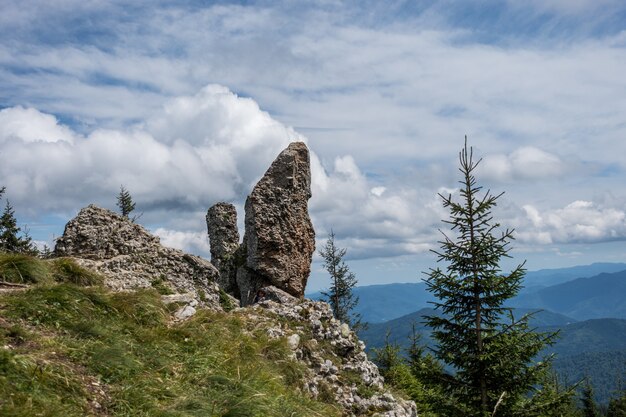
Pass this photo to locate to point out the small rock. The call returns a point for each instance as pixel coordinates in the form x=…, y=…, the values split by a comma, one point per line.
x=294, y=341
x=185, y=312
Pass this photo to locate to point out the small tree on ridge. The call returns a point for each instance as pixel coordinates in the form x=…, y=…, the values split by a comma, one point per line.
x=342, y=281
x=125, y=202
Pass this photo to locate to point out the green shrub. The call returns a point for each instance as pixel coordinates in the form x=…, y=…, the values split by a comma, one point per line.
x=68, y=271
x=225, y=301
x=23, y=269
x=160, y=284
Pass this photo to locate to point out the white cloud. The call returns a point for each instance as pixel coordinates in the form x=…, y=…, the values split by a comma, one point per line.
x=191, y=242
x=224, y=143
x=30, y=125
x=579, y=221
x=523, y=163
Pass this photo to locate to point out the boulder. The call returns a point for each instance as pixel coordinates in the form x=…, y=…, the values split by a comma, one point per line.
x=129, y=257
x=279, y=239
x=221, y=220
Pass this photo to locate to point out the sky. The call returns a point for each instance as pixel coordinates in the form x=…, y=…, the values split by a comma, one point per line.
x=187, y=103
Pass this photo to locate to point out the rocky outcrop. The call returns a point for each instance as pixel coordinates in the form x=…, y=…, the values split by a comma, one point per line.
x=338, y=368
x=221, y=220
x=130, y=257
x=279, y=239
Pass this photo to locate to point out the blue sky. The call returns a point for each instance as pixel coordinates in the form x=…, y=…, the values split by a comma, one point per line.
x=187, y=103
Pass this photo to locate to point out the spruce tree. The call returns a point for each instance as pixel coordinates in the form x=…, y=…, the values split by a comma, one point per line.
x=490, y=351
x=590, y=408
x=12, y=238
x=617, y=406
x=342, y=281
x=125, y=202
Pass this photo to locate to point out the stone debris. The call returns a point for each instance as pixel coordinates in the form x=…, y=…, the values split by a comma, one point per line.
x=336, y=359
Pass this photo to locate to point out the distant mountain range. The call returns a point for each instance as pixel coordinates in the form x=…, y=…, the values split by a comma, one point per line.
x=600, y=296
x=548, y=277
x=400, y=328
x=594, y=349
x=586, y=304
x=582, y=292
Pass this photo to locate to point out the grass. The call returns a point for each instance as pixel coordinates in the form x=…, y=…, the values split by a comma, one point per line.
x=25, y=269
x=76, y=351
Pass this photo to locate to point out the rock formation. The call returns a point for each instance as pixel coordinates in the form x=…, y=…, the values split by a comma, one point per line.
x=279, y=240
x=129, y=257
x=221, y=220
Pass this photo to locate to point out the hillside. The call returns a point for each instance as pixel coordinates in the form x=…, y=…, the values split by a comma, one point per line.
x=591, y=348
x=76, y=350
x=599, y=296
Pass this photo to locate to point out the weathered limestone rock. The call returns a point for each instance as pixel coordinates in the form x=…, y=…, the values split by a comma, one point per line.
x=221, y=220
x=279, y=239
x=97, y=234
x=335, y=359
x=129, y=257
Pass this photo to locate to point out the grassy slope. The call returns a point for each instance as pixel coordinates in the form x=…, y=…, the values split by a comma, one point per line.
x=75, y=351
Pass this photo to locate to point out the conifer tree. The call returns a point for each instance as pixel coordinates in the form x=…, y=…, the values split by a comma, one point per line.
x=12, y=238
x=125, y=202
x=617, y=406
x=490, y=351
x=590, y=408
x=342, y=281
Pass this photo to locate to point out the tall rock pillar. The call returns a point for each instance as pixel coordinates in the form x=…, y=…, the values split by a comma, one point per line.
x=279, y=239
x=221, y=220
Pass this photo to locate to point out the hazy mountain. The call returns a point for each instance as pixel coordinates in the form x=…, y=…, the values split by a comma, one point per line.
x=401, y=327
x=379, y=303
x=582, y=300
x=548, y=277
x=600, y=296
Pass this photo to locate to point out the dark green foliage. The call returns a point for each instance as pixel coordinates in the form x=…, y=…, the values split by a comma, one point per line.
x=489, y=349
x=342, y=282
x=225, y=301
x=12, y=238
x=412, y=374
x=588, y=402
x=617, y=406
x=604, y=370
x=125, y=202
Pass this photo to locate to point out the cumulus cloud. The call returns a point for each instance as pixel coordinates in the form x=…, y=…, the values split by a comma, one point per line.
x=524, y=163
x=198, y=150
x=193, y=242
x=579, y=221
x=30, y=125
